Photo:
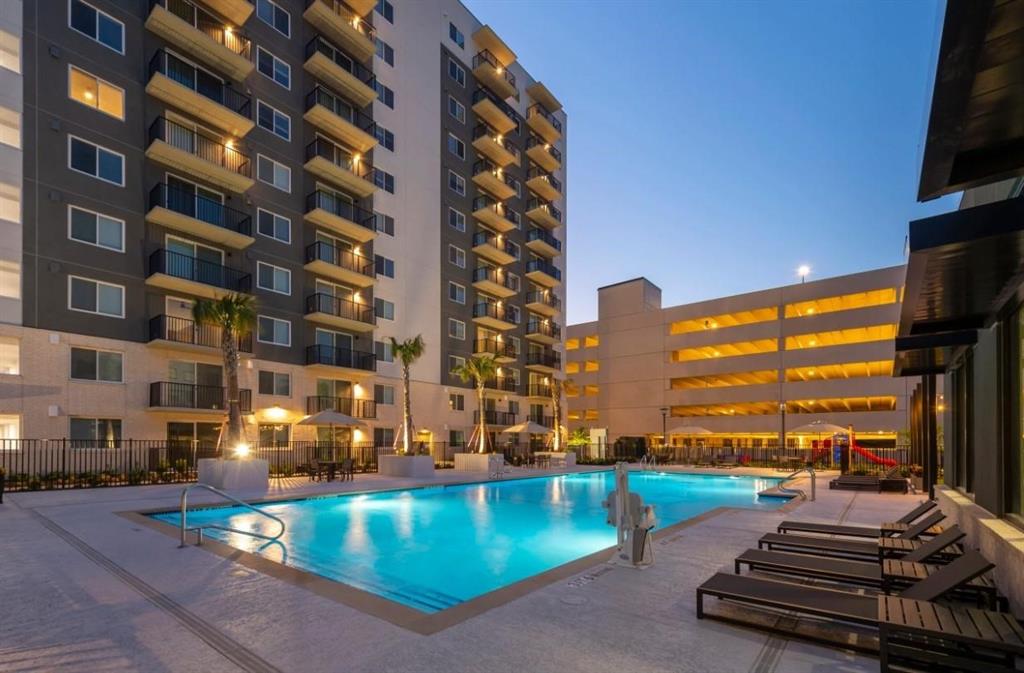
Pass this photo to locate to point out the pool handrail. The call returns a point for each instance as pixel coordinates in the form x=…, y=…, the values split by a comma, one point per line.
x=199, y=529
x=796, y=491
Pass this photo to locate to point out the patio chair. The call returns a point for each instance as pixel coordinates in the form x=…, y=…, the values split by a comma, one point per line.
x=347, y=470
x=729, y=461
x=316, y=470
x=898, y=526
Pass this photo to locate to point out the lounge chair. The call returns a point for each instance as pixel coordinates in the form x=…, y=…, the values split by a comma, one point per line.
x=729, y=461
x=889, y=482
x=900, y=525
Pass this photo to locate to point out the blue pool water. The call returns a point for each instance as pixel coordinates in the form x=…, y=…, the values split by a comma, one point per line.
x=432, y=548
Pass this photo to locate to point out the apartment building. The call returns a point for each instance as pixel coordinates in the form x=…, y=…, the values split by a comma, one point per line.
x=364, y=169
x=736, y=370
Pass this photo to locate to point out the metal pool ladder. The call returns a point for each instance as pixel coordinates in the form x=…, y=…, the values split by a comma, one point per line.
x=796, y=491
x=649, y=462
x=199, y=529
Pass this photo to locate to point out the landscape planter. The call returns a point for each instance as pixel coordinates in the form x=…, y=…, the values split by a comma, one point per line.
x=477, y=462
x=417, y=467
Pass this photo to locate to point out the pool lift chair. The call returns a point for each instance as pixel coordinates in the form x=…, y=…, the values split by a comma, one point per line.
x=633, y=521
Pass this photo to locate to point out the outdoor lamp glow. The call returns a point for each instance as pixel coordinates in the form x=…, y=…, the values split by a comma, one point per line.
x=241, y=450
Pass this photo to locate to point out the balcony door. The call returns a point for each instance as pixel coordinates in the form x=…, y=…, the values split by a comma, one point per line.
x=195, y=261
x=195, y=385
x=187, y=435
x=180, y=325
x=188, y=198
x=333, y=388
x=192, y=76
x=337, y=346
x=334, y=250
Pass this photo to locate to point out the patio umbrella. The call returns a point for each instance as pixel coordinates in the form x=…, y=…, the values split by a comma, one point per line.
x=689, y=430
x=818, y=428
x=530, y=427
x=331, y=418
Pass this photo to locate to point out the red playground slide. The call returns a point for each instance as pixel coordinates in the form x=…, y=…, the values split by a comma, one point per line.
x=875, y=458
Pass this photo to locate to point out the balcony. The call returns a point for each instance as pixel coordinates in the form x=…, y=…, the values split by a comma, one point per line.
x=332, y=358
x=179, y=397
x=543, y=213
x=355, y=408
x=490, y=314
x=539, y=391
x=543, y=184
x=339, y=264
x=341, y=313
x=502, y=384
x=495, y=281
x=494, y=75
x=341, y=72
x=541, y=94
x=340, y=216
x=489, y=177
x=494, y=214
x=543, y=331
x=546, y=361
x=542, y=242
x=168, y=331
x=173, y=81
x=335, y=164
x=185, y=211
x=495, y=417
x=335, y=116
x=498, y=114
x=176, y=272
x=543, y=123
x=543, y=153
x=501, y=351
x=203, y=36
x=344, y=25
x=198, y=154
x=541, y=419
x=544, y=302
x=543, y=272
x=492, y=145
x=495, y=247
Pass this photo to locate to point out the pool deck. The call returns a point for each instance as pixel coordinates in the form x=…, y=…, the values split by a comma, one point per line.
x=86, y=589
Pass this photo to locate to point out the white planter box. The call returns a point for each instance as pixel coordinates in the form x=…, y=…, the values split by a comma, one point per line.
x=211, y=472
x=250, y=474
x=417, y=467
x=478, y=462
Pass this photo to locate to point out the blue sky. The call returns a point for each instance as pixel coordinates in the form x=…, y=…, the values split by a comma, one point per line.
x=715, y=147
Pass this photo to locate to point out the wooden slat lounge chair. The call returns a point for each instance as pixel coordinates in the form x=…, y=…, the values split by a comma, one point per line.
x=728, y=461
x=855, y=549
x=898, y=526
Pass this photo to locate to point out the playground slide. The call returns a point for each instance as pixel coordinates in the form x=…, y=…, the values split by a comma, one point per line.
x=875, y=458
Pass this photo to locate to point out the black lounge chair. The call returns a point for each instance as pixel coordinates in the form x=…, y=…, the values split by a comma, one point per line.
x=888, y=482
x=728, y=461
x=855, y=549
x=900, y=525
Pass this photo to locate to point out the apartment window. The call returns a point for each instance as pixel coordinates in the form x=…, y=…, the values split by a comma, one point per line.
x=273, y=225
x=273, y=331
x=385, y=52
x=96, y=161
x=512, y=280
x=514, y=249
x=456, y=329
x=10, y=127
x=91, y=91
x=384, y=94
x=456, y=183
x=93, y=296
x=385, y=138
x=456, y=146
x=454, y=362
x=97, y=25
x=386, y=10
x=383, y=308
x=456, y=220
x=515, y=184
x=384, y=180
x=10, y=279
x=384, y=266
x=457, y=256
x=456, y=72
x=273, y=120
x=514, y=343
x=10, y=203
x=384, y=437
x=384, y=223
x=89, y=431
x=513, y=216
x=456, y=292
x=456, y=438
x=273, y=278
x=456, y=36
x=88, y=364
x=275, y=383
x=274, y=173
x=456, y=109
x=87, y=226
x=383, y=394
x=273, y=15
x=512, y=313
x=456, y=402
x=383, y=351
x=10, y=51
x=273, y=68
x=10, y=356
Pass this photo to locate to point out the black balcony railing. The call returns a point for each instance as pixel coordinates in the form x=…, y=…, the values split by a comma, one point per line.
x=340, y=108
x=198, y=270
x=535, y=203
x=339, y=308
x=187, y=202
x=545, y=297
x=544, y=358
x=482, y=94
x=340, y=58
x=489, y=58
x=537, y=234
x=539, y=110
x=537, y=172
x=340, y=357
x=188, y=332
x=548, y=329
x=538, y=390
x=487, y=309
x=205, y=85
x=544, y=266
x=501, y=349
x=346, y=259
x=192, y=396
x=502, y=383
x=496, y=241
x=200, y=145
x=486, y=166
x=534, y=141
x=495, y=417
x=343, y=405
x=349, y=16
x=342, y=208
x=541, y=419
x=231, y=37
x=340, y=157
x=494, y=275
x=485, y=202
x=485, y=131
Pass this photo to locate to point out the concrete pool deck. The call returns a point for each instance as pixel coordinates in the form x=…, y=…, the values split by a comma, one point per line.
x=85, y=589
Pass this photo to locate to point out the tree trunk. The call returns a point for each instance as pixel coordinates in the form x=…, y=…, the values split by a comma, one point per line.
x=235, y=430
x=556, y=411
x=406, y=412
x=483, y=420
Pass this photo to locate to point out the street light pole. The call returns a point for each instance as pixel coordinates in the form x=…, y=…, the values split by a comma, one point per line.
x=664, y=417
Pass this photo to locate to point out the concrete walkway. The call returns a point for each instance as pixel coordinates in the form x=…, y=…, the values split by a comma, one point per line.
x=83, y=589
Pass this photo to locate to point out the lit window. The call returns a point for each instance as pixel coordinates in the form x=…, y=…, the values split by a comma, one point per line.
x=89, y=431
x=10, y=203
x=93, y=296
x=10, y=127
x=273, y=331
x=94, y=92
x=10, y=427
x=10, y=279
x=10, y=52
x=10, y=356
x=97, y=25
x=86, y=226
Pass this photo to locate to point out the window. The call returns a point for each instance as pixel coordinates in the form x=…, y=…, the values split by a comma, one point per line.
x=10, y=426
x=10, y=127
x=383, y=436
x=271, y=14
x=275, y=383
x=273, y=120
x=86, y=226
x=456, y=401
x=97, y=25
x=384, y=266
x=456, y=183
x=274, y=68
x=456, y=146
x=273, y=225
x=456, y=438
x=384, y=94
x=456, y=36
x=10, y=356
x=456, y=292
x=456, y=329
x=93, y=296
x=456, y=72
x=383, y=394
x=99, y=162
x=384, y=180
x=512, y=281
x=385, y=52
x=386, y=10
x=385, y=223
x=456, y=220
x=512, y=313
x=269, y=433
x=273, y=331
x=382, y=349
x=274, y=173
x=273, y=278
x=88, y=364
x=514, y=344
x=383, y=308
x=10, y=203
x=454, y=362
x=457, y=256
x=88, y=431
x=456, y=109
x=10, y=278
x=10, y=52
x=96, y=93
x=514, y=184
x=384, y=137
x=514, y=249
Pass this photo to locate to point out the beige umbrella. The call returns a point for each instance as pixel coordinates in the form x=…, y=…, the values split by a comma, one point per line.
x=818, y=428
x=530, y=427
x=689, y=430
x=331, y=418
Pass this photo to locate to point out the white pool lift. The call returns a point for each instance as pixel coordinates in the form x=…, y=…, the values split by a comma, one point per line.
x=633, y=522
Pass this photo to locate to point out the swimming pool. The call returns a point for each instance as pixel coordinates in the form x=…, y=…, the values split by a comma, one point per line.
x=435, y=547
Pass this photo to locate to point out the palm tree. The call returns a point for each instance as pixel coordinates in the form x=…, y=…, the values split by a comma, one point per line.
x=480, y=369
x=558, y=388
x=408, y=351
x=235, y=315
